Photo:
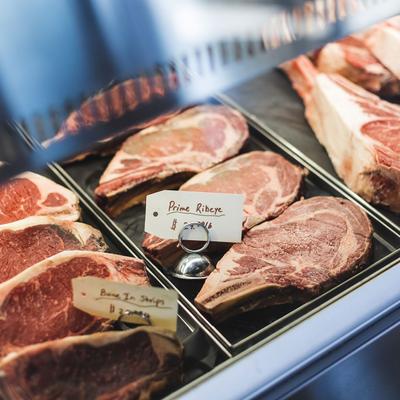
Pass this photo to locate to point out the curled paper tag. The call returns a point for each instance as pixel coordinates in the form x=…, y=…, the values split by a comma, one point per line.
x=116, y=300
x=168, y=211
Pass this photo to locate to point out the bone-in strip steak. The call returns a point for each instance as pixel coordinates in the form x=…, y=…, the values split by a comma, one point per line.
x=269, y=182
x=133, y=364
x=166, y=155
x=360, y=132
x=36, y=305
x=31, y=194
x=26, y=242
x=311, y=246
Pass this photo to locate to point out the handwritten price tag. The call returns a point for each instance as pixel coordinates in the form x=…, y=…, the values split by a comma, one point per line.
x=168, y=211
x=108, y=299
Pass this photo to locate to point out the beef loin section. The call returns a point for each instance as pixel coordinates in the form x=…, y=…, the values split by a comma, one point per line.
x=383, y=40
x=31, y=194
x=132, y=364
x=26, y=242
x=360, y=132
x=351, y=58
x=268, y=181
x=36, y=305
x=314, y=244
x=167, y=154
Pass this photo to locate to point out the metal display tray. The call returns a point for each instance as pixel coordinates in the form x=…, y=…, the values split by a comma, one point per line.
x=271, y=102
x=201, y=354
x=240, y=332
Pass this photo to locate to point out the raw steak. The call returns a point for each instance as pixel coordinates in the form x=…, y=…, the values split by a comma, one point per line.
x=165, y=155
x=269, y=182
x=36, y=305
x=107, y=106
x=383, y=40
x=314, y=244
x=360, y=132
x=31, y=194
x=132, y=364
x=26, y=242
x=351, y=58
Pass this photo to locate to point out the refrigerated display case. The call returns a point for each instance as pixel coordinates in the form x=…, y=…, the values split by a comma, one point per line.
x=342, y=343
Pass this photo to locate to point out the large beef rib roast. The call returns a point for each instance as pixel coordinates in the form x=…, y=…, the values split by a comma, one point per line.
x=31, y=194
x=26, y=242
x=360, y=132
x=268, y=181
x=165, y=155
x=36, y=305
x=311, y=246
x=133, y=364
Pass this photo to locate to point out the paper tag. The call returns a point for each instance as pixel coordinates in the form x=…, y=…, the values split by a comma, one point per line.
x=108, y=299
x=168, y=211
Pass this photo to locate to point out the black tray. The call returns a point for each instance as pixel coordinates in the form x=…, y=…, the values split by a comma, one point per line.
x=271, y=101
x=242, y=331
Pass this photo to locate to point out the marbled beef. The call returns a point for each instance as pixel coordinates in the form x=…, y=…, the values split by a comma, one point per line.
x=31, y=194
x=165, y=155
x=311, y=246
x=351, y=58
x=36, y=305
x=268, y=181
x=360, y=132
x=26, y=242
x=133, y=364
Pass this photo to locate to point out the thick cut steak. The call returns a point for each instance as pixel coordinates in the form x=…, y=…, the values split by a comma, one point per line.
x=131, y=364
x=360, y=132
x=31, y=194
x=26, y=242
x=383, y=40
x=311, y=246
x=351, y=58
x=269, y=182
x=36, y=305
x=167, y=154
x=106, y=106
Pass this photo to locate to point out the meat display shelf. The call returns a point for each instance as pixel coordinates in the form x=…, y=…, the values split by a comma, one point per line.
x=240, y=332
x=201, y=353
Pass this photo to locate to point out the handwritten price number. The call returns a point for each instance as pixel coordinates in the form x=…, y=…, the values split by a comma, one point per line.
x=207, y=224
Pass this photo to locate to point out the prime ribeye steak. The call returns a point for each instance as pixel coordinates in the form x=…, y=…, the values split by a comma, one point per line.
x=31, y=194
x=133, y=364
x=351, y=58
x=26, y=242
x=308, y=248
x=360, y=132
x=36, y=305
x=268, y=181
x=383, y=40
x=165, y=155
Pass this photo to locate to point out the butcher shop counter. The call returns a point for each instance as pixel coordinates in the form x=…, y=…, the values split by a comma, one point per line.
x=350, y=347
